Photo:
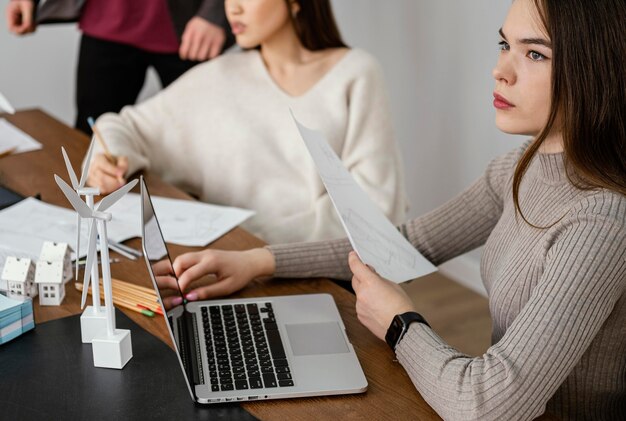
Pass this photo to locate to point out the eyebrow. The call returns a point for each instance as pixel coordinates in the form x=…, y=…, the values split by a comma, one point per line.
x=528, y=41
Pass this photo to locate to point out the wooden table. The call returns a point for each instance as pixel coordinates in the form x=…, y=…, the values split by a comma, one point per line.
x=390, y=395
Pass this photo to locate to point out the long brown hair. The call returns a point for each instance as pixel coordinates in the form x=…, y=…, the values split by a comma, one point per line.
x=315, y=24
x=588, y=99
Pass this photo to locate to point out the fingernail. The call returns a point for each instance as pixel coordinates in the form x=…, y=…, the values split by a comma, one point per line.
x=192, y=296
x=177, y=301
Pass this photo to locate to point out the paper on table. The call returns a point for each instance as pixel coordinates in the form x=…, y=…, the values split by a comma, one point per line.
x=5, y=105
x=377, y=242
x=12, y=137
x=184, y=222
x=26, y=225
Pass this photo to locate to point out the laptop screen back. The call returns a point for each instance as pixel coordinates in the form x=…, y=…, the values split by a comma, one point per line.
x=162, y=272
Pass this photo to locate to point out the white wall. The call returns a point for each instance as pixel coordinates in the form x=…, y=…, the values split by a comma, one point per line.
x=437, y=57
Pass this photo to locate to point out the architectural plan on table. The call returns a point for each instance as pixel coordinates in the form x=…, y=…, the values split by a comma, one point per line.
x=12, y=138
x=26, y=225
x=377, y=242
x=184, y=222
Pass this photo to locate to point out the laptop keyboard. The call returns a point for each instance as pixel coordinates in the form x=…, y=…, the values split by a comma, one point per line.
x=244, y=348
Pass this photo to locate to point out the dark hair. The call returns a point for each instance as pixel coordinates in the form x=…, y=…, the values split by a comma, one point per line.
x=315, y=24
x=588, y=99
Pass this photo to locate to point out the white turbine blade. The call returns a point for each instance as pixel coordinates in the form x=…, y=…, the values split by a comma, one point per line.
x=92, y=256
x=70, y=170
x=86, y=163
x=111, y=199
x=74, y=199
x=78, y=219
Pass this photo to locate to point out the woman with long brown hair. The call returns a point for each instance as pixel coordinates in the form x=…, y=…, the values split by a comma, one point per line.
x=223, y=131
x=552, y=217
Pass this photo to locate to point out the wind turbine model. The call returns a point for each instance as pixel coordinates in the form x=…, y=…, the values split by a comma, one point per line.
x=93, y=319
x=113, y=348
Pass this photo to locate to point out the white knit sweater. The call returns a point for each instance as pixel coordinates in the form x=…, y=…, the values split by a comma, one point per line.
x=223, y=133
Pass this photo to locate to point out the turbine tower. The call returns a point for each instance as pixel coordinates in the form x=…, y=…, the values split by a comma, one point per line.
x=112, y=349
x=93, y=319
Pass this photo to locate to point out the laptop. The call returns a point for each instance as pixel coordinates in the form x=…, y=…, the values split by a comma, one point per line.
x=255, y=348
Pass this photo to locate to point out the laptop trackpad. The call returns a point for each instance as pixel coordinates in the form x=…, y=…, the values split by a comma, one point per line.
x=316, y=339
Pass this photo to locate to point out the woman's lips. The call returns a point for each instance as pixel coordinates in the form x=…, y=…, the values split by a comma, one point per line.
x=500, y=102
x=237, y=28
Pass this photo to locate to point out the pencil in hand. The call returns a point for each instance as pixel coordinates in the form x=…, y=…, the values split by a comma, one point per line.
x=110, y=157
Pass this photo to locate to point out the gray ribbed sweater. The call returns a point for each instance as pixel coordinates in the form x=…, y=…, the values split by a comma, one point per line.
x=556, y=296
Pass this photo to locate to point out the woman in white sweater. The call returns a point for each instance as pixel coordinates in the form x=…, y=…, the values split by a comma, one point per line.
x=223, y=131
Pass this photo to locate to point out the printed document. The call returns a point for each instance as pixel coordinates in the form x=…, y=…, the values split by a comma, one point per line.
x=374, y=238
x=12, y=138
x=26, y=225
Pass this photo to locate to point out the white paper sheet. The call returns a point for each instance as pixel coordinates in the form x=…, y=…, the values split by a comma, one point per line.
x=26, y=225
x=12, y=137
x=183, y=222
x=377, y=242
x=5, y=105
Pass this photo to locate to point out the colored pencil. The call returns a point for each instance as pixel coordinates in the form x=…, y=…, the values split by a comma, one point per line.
x=122, y=302
x=110, y=157
x=100, y=139
x=131, y=295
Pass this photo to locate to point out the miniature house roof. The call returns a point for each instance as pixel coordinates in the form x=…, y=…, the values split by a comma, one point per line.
x=49, y=272
x=16, y=269
x=53, y=252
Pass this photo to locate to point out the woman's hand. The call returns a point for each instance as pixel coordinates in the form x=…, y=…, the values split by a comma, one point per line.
x=167, y=284
x=377, y=300
x=201, y=40
x=106, y=175
x=19, y=16
x=232, y=270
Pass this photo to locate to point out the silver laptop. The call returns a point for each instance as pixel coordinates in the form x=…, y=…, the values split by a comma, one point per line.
x=256, y=348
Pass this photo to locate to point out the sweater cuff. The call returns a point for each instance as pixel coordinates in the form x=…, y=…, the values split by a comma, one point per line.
x=418, y=343
x=328, y=259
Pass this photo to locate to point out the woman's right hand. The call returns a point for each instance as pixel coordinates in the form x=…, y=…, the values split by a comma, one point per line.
x=105, y=175
x=19, y=16
x=233, y=270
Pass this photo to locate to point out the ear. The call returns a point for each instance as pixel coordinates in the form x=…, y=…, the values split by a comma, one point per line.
x=295, y=8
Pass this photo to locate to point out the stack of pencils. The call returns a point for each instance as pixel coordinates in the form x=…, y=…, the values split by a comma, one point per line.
x=132, y=297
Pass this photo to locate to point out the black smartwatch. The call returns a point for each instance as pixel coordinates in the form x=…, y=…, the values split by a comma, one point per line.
x=399, y=325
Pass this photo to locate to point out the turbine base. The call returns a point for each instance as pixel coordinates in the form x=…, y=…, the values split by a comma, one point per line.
x=92, y=324
x=112, y=351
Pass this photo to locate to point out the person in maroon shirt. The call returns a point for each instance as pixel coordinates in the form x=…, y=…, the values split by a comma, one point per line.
x=122, y=38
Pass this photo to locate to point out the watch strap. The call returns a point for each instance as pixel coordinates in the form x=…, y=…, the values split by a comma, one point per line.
x=400, y=325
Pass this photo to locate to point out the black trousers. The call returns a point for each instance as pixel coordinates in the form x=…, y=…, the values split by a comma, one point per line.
x=111, y=75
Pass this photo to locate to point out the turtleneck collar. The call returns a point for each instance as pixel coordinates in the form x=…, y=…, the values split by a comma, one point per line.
x=551, y=167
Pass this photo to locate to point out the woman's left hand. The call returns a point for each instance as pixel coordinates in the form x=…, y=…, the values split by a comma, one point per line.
x=201, y=40
x=377, y=299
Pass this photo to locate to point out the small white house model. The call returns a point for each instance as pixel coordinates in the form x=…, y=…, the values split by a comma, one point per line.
x=49, y=278
x=18, y=277
x=58, y=252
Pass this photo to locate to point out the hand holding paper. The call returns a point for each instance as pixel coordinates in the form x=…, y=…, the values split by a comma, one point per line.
x=377, y=242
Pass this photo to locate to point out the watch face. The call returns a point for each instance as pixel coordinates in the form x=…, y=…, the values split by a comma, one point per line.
x=394, y=331
x=397, y=324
